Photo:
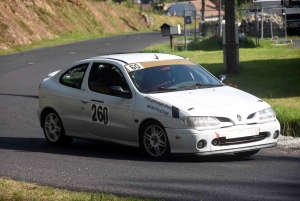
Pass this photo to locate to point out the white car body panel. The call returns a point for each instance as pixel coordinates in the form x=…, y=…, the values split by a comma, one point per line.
x=75, y=108
x=53, y=73
x=184, y=140
x=220, y=101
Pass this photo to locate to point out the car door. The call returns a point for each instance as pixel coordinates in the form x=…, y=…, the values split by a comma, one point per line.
x=66, y=98
x=105, y=113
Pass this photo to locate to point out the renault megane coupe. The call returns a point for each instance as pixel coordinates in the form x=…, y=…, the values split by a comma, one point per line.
x=160, y=102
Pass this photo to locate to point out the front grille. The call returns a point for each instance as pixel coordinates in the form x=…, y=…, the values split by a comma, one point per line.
x=222, y=141
x=223, y=119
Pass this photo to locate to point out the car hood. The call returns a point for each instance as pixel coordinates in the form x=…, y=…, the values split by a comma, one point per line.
x=222, y=101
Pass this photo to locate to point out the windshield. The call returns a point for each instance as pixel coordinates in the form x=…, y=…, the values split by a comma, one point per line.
x=173, y=76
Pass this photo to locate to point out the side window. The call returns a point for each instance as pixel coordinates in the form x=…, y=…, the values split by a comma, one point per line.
x=74, y=76
x=103, y=76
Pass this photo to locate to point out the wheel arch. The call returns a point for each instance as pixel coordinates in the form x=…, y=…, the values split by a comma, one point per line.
x=44, y=112
x=144, y=122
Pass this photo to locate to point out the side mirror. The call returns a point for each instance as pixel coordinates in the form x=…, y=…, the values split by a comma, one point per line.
x=222, y=77
x=118, y=91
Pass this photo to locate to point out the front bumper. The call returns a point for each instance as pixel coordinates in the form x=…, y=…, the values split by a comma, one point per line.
x=185, y=140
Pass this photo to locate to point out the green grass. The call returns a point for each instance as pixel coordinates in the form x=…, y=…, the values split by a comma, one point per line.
x=66, y=38
x=269, y=72
x=20, y=190
x=62, y=39
x=210, y=43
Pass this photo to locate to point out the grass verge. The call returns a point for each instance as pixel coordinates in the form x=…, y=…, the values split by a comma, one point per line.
x=269, y=72
x=20, y=190
x=63, y=39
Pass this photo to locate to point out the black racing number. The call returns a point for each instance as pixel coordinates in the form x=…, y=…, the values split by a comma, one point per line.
x=101, y=113
x=94, y=113
x=134, y=66
x=105, y=112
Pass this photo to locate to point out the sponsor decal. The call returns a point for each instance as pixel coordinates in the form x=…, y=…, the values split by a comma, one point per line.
x=157, y=109
x=163, y=107
x=161, y=104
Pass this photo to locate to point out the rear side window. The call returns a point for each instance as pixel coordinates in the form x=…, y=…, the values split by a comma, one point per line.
x=74, y=76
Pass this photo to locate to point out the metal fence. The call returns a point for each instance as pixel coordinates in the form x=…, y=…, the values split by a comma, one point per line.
x=199, y=35
x=263, y=23
x=253, y=25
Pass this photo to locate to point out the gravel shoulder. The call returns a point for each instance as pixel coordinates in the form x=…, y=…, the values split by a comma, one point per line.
x=287, y=144
x=296, y=44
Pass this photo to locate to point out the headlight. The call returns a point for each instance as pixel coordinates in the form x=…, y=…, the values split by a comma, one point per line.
x=199, y=121
x=266, y=114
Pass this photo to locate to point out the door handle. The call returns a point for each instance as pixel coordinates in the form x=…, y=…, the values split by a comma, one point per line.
x=97, y=101
x=84, y=101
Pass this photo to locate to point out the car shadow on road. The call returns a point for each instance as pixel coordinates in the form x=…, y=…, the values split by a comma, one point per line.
x=94, y=149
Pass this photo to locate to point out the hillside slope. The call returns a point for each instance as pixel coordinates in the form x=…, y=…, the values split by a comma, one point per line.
x=24, y=22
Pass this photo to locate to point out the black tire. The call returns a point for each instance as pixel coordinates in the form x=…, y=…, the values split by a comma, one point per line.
x=247, y=153
x=54, y=129
x=154, y=140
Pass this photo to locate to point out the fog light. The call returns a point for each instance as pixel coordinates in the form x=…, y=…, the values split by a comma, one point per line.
x=201, y=144
x=276, y=134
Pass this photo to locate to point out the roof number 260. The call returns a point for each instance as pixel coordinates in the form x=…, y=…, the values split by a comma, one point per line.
x=99, y=113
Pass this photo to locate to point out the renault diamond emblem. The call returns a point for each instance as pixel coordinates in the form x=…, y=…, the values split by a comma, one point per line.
x=239, y=117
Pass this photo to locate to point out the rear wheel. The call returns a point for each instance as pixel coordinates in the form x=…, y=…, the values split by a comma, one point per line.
x=154, y=139
x=247, y=153
x=54, y=130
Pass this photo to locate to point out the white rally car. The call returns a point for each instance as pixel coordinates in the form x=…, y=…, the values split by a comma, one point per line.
x=160, y=102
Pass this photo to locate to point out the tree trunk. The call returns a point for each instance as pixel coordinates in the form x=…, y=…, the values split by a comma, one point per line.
x=203, y=10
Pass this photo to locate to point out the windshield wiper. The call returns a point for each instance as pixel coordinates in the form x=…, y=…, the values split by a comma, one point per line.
x=198, y=84
x=191, y=85
x=166, y=89
x=211, y=85
x=160, y=89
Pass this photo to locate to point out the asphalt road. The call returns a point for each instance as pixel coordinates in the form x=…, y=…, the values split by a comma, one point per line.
x=95, y=166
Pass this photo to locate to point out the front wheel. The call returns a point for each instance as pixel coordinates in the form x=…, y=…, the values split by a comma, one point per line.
x=247, y=153
x=154, y=139
x=54, y=130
